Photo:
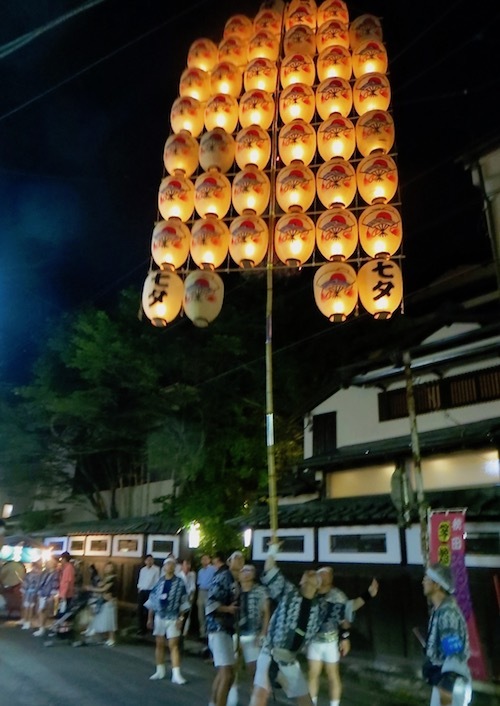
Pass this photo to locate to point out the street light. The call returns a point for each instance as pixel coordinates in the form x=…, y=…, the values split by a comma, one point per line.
x=279, y=158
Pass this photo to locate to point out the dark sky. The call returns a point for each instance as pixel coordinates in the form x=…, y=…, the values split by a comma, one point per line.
x=84, y=114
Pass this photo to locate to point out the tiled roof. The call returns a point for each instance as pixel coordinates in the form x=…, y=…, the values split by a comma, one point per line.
x=149, y=524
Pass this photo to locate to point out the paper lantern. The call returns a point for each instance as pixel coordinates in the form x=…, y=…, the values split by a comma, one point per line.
x=336, y=137
x=261, y=74
x=368, y=58
x=334, y=95
x=297, y=142
x=371, y=92
x=332, y=33
x=335, y=290
x=294, y=238
x=176, y=197
x=332, y=10
x=239, y=26
x=162, y=296
x=203, y=54
x=300, y=13
x=374, y=131
x=226, y=78
x=170, y=244
x=297, y=68
x=337, y=233
x=187, y=114
x=380, y=230
x=380, y=284
x=209, y=242
x=263, y=45
x=234, y=50
x=256, y=108
x=195, y=83
x=217, y=149
x=249, y=240
x=253, y=146
x=334, y=61
x=212, y=194
x=221, y=111
x=269, y=20
x=295, y=188
x=203, y=297
x=181, y=153
x=336, y=183
x=363, y=28
x=297, y=101
x=251, y=190
x=377, y=178
x=300, y=38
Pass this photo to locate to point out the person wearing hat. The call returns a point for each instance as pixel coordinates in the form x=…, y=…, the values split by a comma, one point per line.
x=168, y=605
x=447, y=645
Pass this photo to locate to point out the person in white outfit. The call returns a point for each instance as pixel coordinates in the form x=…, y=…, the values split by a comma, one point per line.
x=148, y=577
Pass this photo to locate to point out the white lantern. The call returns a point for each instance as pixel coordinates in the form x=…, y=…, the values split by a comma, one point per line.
x=251, y=190
x=162, y=296
x=261, y=74
x=297, y=101
x=297, y=142
x=336, y=183
x=170, y=244
x=334, y=61
x=337, y=233
x=256, y=108
x=181, y=153
x=374, y=131
x=377, y=178
x=187, y=114
x=336, y=137
x=203, y=297
x=294, y=238
x=295, y=188
x=176, y=197
x=335, y=290
x=253, y=146
x=249, y=240
x=217, y=150
x=209, y=242
x=263, y=45
x=195, y=83
x=221, y=111
x=371, y=92
x=380, y=287
x=380, y=230
x=212, y=194
x=334, y=95
x=297, y=68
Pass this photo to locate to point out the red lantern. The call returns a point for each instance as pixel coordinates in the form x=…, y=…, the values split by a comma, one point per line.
x=294, y=239
x=337, y=233
x=335, y=290
x=380, y=287
x=203, y=297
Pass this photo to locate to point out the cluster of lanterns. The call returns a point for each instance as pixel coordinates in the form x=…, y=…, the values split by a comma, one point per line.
x=280, y=153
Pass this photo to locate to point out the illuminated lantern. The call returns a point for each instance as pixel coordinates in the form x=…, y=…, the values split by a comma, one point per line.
x=336, y=183
x=239, y=26
x=261, y=74
x=374, y=131
x=380, y=286
x=371, y=92
x=295, y=187
x=170, y=244
x=217, y=149
x=294, y=238
x=176, y=197
x=256, y=108
x=221, y=111
x=370, y=57
x=335, y=290
x=226, y=78
x=334, y=61
x=249, y=240
x=203, y=54
x=336, y=137
x=297, y=68
x=253, y=146
x=203, y=297
x=334, y=95
x=364, y=28
x=263, y=45
x=377, y=178
x=297, y=142
x=251, y=190
x=380, y=230
x=332, y=10
x=301, y=13
x=195, y=83
x=332, y=33
x=269, y=20
x=337, y=233
x=162, y=296
x=181, y=153
x=209, y=242
x=234, y=51
x=187, y=114
x=212, y=194
x=297, y=101
x=300, y=38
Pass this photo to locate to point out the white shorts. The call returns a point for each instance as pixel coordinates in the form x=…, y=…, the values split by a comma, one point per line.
x=323, y=651
x=249, y=646
x=166, y=626
x=222, y=648
x=290, y=676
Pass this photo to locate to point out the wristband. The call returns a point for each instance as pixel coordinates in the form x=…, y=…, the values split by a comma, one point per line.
x=345, y=635
x=366, y=596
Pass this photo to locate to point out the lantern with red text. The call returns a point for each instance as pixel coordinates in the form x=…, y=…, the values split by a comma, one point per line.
x=221, y=110
x=256, y=108
x=371, y=92
x=334, y=61
x=380, y=230
x=203, y=297
x=297, y=101
x=380, y=286
x=251, y=190
x=203, y=54
x=249, y=240
x=334, y=95
x=295, y=187
x=217, y=149
x=253, y=146
x=170, y=244
x=337, y=233
x=335, y=290
x=181, y=153
x=209, y=242
x=176, y=197
x=377, y=178
x=187, y=114
x=374, y=131
x=336, y=183
x=162, y=296
x=212, y=194
x=294, y=237
x=297, y=142
x=336, y=137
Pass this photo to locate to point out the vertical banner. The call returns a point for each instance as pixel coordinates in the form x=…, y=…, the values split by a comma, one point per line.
x=447, y=546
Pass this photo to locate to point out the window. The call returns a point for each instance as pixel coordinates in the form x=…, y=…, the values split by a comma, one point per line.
x=372, y=544
x=98, y=545
x=76, y=545
x=324, y=433
x=127, y=545
x=161, y=545
x=297, y=544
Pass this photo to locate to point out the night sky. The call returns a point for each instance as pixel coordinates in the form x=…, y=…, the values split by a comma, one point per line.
x=84, y=114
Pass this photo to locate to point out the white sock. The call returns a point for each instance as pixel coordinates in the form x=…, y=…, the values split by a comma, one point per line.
x=176, y=671
x=314, y=699
x=335, y=702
